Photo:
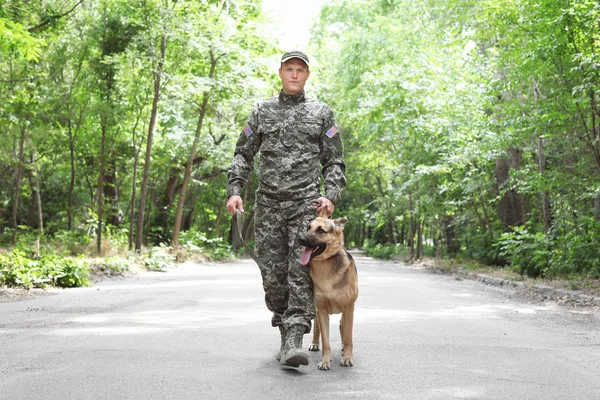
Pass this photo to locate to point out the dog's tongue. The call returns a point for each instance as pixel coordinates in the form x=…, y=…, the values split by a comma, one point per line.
x=305, y=259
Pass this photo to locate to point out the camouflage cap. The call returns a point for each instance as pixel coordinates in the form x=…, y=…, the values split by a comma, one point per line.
x=295, y=54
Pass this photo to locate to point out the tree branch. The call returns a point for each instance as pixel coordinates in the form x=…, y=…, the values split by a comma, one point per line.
x=52, y=18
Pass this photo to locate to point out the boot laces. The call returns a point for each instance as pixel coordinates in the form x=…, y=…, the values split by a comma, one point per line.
x=295, y=339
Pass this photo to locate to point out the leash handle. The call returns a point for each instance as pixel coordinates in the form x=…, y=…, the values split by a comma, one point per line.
x=238, y=227
x=238, y=238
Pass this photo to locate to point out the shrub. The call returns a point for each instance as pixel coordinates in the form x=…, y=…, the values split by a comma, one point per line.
x=384, y=251
x=528, y=253
x=111, y=266
x=215, y=249
x=576, y=256
x=18, y=269
x=74, y=241
x=158, y=259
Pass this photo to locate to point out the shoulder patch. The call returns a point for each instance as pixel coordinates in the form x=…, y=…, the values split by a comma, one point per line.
x=331, y=132
x=247, y=130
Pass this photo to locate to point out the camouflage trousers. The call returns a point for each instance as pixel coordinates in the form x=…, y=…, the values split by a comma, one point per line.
x=287, y=284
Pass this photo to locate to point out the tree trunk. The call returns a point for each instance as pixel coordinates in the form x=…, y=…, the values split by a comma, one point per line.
x=546, y=217
x=72, y=180
x=436, y=242
x=149, y=212
x=403, y=231
x=448, y=227
x=363, y=233
x=99, y=192
x=136, y=158
x=219, y=217
x=486, y=216
x=153, y=114
x=411, y=235
x=165, y=203
x=115, y=217
x=188, y=221
x=511, y=207
x=32, y=202
x=419, y=240
x=18, y=176
x=38, y=201
x=188, y=167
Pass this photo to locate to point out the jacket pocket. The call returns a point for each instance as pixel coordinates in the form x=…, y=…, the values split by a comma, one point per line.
x=271, y=131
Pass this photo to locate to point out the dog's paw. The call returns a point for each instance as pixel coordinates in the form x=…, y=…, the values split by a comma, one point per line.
x=346, y=362
x=324, y=365
x=313, y=347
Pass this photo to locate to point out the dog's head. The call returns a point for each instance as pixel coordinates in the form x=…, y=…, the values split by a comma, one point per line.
x=325, y=237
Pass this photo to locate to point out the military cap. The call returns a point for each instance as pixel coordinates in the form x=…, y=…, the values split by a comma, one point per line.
x=295, y=54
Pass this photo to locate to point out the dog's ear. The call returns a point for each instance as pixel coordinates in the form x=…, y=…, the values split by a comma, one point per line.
x=339, y=222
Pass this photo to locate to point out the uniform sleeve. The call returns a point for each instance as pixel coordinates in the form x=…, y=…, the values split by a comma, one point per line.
x=332, y=159
x=243, y=159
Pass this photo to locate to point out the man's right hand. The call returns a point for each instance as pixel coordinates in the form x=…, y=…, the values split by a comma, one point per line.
x=235, y=203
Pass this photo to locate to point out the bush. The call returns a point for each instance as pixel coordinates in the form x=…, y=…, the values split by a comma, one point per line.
x=158, y=259
x=197, y=242
x=18, y=269
x=111, y=266
x=74, y=241
x=527, y=253
x=384, y=251
x=576, y=256
x=538, y=254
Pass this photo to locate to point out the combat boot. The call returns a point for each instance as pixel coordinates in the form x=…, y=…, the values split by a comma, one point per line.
x=283, y=337
x=293, y=355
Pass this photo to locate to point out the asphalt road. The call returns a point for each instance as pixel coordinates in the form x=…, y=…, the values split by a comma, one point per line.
x=201, y=331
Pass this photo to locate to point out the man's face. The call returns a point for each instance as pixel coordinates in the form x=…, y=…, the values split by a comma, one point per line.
x=293, y=74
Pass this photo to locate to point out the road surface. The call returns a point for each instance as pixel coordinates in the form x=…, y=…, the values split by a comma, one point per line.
x=201, y=331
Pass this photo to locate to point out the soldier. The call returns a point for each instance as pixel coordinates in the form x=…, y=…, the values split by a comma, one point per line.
x=299, y=143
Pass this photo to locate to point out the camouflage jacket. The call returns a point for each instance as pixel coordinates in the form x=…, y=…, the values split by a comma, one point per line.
x=299, y=141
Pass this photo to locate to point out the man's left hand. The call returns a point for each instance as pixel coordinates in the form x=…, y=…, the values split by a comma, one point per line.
x=326, y=208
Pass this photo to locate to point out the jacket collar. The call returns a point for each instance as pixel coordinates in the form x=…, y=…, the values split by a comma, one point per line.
x=291, y=99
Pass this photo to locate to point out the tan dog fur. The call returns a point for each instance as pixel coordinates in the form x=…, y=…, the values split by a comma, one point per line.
x=335, y=286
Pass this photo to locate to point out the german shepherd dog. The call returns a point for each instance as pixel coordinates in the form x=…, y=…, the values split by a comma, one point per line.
x=335, y=284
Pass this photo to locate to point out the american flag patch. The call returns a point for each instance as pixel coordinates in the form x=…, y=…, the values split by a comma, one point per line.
x=331, y=133
x=247, y=130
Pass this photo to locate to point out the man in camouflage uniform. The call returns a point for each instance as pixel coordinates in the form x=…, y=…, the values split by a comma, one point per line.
x=299, y=142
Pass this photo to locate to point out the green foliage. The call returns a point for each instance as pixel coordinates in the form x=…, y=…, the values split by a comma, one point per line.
x=112, y=265
x=158, y=259
x=577, y=255
x=18, y=269
x=117, y=235
x=15, y=38
x=197, y=242
x=429, y=95
x=436, y=93
x=74, y=242
x=528, y=253
x=550, y=255
x=385, y=251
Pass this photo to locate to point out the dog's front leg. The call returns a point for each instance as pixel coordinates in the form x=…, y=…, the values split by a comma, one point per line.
x=346, y=325
x=323, y=317
x=316, y=335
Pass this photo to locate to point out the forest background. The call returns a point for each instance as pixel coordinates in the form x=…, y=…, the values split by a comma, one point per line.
x=471, y=130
